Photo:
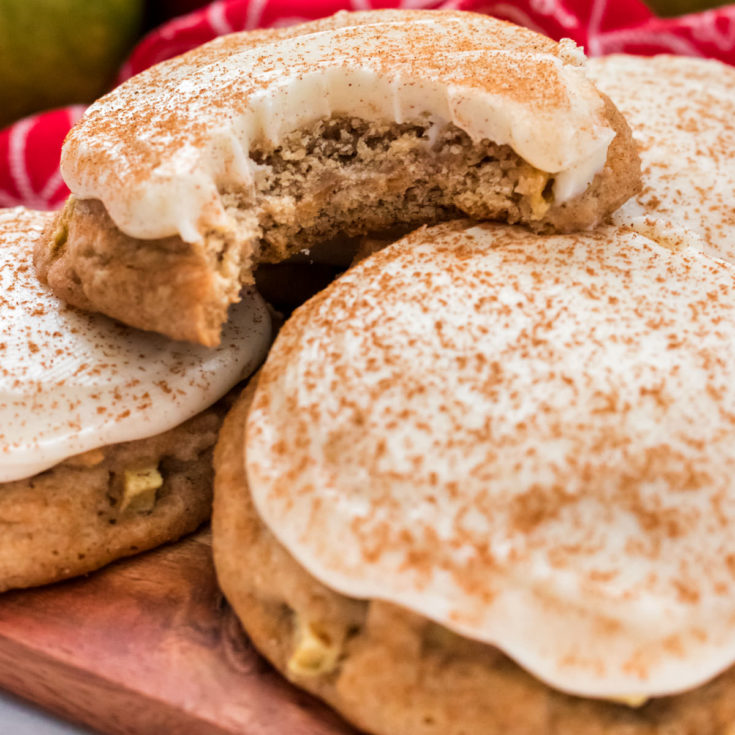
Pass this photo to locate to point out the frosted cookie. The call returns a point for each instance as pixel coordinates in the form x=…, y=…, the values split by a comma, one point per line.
x=105, y=432
x=488, y=487
x=259, y=145
x=682, y=111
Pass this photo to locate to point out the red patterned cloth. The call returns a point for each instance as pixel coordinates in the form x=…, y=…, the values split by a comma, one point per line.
x=29, y=149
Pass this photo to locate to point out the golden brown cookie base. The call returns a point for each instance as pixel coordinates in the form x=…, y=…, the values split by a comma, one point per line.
x=341, y=176
x=70, y=519
x=92, y=265
x=399, y=674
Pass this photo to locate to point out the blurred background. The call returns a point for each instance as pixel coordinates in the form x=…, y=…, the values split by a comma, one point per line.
x=670, y=8
x=59, y=52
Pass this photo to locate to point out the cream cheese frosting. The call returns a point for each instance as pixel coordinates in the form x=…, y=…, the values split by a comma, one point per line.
x=682, y=112
x=528, y=440
x=159, y=150
x=71, y=382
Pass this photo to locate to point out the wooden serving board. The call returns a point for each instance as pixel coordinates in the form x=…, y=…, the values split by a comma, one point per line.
x=149, y=646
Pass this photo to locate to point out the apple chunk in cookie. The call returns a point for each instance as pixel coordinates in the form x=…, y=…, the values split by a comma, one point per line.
x=484, y=483
x=105, y=432
x=260, y=145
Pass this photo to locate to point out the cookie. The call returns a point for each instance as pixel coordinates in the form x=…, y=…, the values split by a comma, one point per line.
x=106, y=433
x=108, y=503
x=488, y=488
x=259, y=145
x=682, y=111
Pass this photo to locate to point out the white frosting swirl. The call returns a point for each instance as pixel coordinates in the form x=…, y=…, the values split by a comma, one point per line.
x=71, y=382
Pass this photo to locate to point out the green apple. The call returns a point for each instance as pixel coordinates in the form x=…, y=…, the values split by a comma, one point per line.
x=58, y=52
x=668, y=8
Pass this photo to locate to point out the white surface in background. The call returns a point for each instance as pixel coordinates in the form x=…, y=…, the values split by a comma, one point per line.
x=23, y=718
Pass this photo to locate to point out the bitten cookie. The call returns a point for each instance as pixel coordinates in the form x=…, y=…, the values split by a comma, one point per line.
x=105, y=432
x=682, y=111
x=487, y=487
x=258, y=145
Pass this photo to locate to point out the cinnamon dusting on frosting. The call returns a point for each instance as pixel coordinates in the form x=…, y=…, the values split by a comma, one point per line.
x=70, y=382
x=159, y=150
x=682, y=111
x=476, y=421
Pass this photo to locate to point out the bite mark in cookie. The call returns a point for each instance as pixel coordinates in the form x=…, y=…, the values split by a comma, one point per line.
x=217, y=161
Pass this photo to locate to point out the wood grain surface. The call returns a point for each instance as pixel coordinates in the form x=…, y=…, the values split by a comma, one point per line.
x=148, y=645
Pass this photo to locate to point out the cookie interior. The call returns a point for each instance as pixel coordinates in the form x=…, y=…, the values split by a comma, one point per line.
x=339, y=177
